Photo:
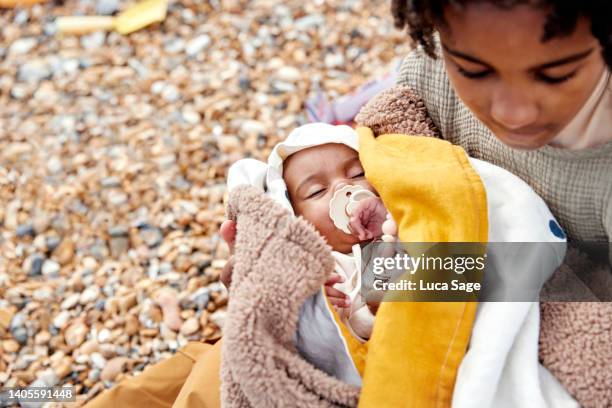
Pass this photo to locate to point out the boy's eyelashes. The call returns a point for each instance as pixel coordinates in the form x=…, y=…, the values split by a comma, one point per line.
x=540, y=76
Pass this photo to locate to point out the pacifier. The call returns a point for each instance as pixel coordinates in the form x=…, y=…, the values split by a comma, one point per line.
x=344, y=202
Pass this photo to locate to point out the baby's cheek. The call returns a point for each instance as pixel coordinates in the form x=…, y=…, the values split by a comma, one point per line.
x=318, y=215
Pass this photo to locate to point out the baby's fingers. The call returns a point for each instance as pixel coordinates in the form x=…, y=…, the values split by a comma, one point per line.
x=356, y=227
x=333, y=279
x=336, y=297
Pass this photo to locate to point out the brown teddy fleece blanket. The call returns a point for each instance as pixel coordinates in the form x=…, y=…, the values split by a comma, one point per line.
x=280, y=261
x=575, y=337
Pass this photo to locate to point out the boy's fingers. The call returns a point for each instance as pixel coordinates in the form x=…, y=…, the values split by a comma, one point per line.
x=228, y=233
x=226, y=273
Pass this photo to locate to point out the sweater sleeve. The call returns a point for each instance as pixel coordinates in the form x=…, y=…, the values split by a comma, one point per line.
x=607, y=222
x=427, y=77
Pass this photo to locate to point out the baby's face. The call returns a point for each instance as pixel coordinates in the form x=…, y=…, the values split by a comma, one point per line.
x=312, y=176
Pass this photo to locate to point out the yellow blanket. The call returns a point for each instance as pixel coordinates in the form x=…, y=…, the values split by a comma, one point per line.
x=434, y=195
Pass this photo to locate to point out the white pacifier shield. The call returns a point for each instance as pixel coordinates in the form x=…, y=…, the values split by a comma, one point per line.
x=343, y=203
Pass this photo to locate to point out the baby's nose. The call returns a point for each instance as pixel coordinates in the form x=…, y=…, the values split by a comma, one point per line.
x=339, y=186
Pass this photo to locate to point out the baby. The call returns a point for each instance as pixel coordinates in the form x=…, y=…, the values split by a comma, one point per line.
x=308, y=168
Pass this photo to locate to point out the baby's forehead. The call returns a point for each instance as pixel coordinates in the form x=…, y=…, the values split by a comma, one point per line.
x=314, y=156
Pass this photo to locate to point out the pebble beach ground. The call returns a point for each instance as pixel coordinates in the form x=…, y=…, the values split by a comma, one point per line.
x=113, y=156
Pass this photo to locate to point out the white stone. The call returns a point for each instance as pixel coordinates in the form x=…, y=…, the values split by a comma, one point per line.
x=50, y=268
x=89, y=295
x=104, y=335
x=61, y=320
x=289, y=74
x=71, y=301
x=97, y=360
x=23, y=45
x=197, y=44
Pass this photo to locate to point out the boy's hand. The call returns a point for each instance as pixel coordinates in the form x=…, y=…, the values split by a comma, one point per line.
x=228, y=233
x=367, y=218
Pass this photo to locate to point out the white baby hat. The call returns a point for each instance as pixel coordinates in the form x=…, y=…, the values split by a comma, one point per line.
x=269, y=177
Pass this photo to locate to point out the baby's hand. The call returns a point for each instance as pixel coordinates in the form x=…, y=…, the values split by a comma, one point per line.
x=367, y=218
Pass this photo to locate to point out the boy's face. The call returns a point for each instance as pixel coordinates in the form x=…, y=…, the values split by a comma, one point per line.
x=312, y=176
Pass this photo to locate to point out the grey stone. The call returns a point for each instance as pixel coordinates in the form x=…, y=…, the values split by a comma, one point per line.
x=107, y=7
x=25, y=229
x=118, y=246
x=21, y=17
x=34, y=71
x=118, y=231
x=20, y=335
x=52, y=242
x=36, y=262
x=201, y=298
x=152, y=236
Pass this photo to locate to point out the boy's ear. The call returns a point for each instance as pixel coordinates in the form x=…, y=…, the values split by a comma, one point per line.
x=397, y=110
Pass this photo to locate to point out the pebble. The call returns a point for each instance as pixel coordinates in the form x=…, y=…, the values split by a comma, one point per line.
x=34, y=264
x=10, y=346
x=54, y=165
x=97, y=360
x=94, y=40
x=115, y=147
x=75, y=334
x=23, y=45
x=170, y=93
x=6, y=315
x=21, y=17
x=117, y=198
x=169, y=304
x=50, y=268
x=197, y=45
x=89, y=295
x=289, y=74
x=151, y=236
x=107, y=7
x=190, y=326
x=42, y=338
x=71, y=301
x=104, y=335
x=113, y=368
x=20, y=334
x=218, y=318
x=62, y=319
x=34, y=71
x=24, y=230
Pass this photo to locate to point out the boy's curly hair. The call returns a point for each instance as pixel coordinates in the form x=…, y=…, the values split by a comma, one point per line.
x=421, y=17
